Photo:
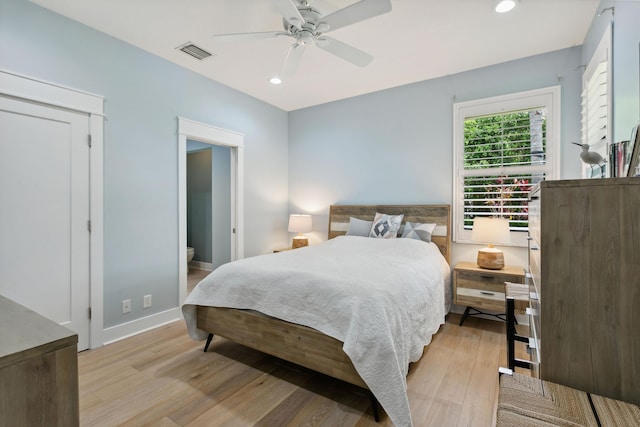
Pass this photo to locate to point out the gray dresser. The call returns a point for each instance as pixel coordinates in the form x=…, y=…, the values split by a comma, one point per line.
x=584, y=265
x=38, y=370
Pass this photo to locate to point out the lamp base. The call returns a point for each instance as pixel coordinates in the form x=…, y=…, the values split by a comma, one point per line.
x=490, y=258
x=299, y=242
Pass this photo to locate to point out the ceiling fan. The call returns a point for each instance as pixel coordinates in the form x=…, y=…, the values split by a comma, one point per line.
x=308, y=26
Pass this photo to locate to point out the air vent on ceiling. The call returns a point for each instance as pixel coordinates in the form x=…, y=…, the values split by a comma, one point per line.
x=193, y=50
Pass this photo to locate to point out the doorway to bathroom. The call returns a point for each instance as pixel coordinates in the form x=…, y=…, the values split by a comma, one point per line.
x=208, y=208
x=210, y=193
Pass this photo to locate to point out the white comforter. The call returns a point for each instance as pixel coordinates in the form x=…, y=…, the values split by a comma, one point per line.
x=383, y=298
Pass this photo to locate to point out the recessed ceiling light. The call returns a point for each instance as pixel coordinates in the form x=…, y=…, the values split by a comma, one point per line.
x=505, y=6
x=275, y=80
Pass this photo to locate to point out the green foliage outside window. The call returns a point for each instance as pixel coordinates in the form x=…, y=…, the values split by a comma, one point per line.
x=493, y=145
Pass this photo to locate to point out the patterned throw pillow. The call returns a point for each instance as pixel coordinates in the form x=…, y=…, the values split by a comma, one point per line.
x=385, y=226
x=416, y=230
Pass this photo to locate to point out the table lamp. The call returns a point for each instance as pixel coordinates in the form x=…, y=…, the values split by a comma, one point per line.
x=299, y=224
x=491, y=231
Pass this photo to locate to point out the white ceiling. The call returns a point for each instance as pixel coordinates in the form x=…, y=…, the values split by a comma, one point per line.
x=417, y=40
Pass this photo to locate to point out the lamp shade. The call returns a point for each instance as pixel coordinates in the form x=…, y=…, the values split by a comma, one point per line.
x=299, y=223
x=491, y=230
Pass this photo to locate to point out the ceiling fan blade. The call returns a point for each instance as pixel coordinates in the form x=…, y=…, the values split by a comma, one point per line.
x=364, y=9
x=248, y=36
x=344, y=51
x=289, y=12
x=291, y=62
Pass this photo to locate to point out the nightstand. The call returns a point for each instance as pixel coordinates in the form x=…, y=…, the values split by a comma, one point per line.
x=483, y=289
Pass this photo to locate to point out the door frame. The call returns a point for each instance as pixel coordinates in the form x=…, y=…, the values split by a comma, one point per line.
x=29, y=89
x=202, y=132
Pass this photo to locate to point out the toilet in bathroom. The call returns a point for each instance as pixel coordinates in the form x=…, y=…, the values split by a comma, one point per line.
x=190, y=253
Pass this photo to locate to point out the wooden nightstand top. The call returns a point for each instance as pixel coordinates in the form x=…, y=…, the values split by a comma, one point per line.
x=507, y=270
x=275, y=251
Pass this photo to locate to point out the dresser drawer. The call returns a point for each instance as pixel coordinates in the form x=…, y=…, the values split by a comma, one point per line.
x=534, y=308
x=534, y=267
x=533, y=209
x=534, y=329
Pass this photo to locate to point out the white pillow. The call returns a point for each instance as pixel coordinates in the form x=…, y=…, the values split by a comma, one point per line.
x=416, y=230
x=385, y=226
x=359, y=227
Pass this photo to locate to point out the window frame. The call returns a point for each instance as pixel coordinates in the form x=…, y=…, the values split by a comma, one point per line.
x=548, y=98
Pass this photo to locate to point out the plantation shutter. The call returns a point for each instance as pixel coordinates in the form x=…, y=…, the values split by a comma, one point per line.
x=504, y=155
x=594, y=107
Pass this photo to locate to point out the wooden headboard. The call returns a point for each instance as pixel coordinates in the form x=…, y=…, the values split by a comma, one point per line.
x=433, y=214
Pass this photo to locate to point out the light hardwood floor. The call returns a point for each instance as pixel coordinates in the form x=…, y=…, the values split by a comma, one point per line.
x=163, y=378
x=194, y=276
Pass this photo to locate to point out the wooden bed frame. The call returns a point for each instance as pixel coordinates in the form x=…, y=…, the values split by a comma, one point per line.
x=303, y=345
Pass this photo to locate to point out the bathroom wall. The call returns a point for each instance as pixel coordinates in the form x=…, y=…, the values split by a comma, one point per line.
x=209, y=202
x=199, y=204
x=221, y=202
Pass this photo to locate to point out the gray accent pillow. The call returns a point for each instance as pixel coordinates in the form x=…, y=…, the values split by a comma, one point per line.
x=358, y=227
x=385, y=226
x=418, y=231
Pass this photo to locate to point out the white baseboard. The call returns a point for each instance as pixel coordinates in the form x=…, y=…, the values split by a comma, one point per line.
x=207, y=266
x=135, y=327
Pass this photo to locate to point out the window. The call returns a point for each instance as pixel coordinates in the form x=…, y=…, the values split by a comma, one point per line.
x=596, y=106
x=502, y=147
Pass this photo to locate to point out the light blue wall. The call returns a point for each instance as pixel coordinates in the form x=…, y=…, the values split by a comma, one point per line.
x=144, y=96
x=209, y=202
x=626, y=61
x=392, y=146
x=199, y=205
x=395, y=146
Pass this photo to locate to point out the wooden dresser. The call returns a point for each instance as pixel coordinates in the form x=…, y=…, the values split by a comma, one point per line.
x=584, y=262
x=38, y=369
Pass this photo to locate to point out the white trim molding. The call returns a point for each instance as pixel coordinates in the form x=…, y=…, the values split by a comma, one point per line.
x=202, y=132
x=39, y=91
x=548, y=97
x=138, y=326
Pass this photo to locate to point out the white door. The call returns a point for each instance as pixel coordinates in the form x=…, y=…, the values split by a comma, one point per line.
x=44, y=212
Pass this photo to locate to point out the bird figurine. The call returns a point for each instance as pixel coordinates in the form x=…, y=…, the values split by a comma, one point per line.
x=589, y=157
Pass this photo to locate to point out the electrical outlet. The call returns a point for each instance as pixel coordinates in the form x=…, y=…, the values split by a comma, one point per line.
x=146, y=302
x=126, y=306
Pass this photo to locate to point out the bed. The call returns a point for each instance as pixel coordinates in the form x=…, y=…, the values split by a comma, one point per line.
x=324, y=347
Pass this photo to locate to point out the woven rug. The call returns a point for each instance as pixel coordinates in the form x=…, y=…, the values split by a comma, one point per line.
x=615, y=413
x=542, y=403
x=526, y=401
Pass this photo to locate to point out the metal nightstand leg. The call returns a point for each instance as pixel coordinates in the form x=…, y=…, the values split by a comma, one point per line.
x=476, y=312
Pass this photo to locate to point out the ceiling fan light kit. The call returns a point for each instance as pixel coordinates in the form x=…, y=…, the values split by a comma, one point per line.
x=504, y=6
x=307, y=26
